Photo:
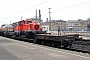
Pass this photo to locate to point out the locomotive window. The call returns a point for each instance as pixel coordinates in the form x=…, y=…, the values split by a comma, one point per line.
x=21, y=23
x=16, y=24
x=28, y=22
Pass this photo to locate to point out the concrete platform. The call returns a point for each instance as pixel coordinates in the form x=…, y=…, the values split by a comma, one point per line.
x=18, y=50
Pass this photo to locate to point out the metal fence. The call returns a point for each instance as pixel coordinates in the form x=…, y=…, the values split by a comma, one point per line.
x=84, y=33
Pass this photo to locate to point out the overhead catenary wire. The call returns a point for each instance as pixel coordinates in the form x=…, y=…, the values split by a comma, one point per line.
x=71, y=7
x=75, y=5
x=65, y=8
x=29, y=8
x=17, y=6
x=56, y=10
x=42, y=3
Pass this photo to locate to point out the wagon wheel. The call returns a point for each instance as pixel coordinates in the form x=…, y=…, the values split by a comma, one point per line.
x=13, y=35
x=35, y=40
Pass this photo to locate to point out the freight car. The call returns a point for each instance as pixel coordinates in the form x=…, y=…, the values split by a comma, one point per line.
x=71, y=42
x=55, y=40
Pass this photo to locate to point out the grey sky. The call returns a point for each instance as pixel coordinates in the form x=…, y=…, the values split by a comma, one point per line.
x=12, y=10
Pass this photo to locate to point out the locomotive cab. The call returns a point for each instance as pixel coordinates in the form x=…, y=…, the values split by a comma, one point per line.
x=27, y=28
x=26, y=25
x=6, y=30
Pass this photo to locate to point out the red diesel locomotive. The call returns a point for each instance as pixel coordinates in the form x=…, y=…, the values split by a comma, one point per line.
x=24, y=28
